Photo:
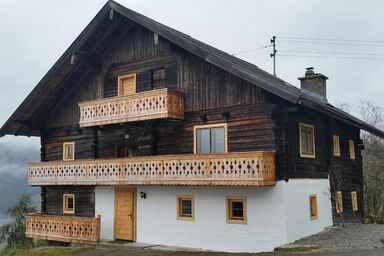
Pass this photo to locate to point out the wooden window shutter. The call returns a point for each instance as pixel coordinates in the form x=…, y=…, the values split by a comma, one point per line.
x=336, y=145
x=355, y=206
x=127, y=85
x=339, y=202
x=352, y=153
x=313, y=207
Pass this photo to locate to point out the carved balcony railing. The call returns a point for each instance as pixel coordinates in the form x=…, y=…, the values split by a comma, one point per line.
x=66, y=229
x=246, y=168
x=154, y=104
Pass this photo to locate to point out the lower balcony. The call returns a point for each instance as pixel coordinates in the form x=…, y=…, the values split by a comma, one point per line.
x=245, y=168
x=66, y=229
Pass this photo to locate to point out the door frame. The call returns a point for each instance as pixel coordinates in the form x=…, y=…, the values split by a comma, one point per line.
x=134, y=211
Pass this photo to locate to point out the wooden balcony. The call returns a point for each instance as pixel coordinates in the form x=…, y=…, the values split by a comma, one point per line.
x=246, y=168
x=154, y=104
x=66, y=229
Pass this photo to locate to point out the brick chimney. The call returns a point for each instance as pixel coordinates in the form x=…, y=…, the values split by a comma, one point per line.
x=314, y=85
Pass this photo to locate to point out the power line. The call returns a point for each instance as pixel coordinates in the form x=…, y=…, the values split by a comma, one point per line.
x=329, y=57
x=337, y=53
x=329, y=43
x=252, y=50
x=332, y=39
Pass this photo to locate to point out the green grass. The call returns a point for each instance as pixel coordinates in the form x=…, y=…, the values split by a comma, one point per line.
x=382, y=240
x=43, y=251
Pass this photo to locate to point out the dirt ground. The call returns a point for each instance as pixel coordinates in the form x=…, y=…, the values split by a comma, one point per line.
x=123, y=251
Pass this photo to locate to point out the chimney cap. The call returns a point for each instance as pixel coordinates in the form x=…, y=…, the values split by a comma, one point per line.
x=310, y=73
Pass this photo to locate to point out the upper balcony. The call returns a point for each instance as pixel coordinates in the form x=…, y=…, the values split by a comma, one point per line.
x=245, y=168
x=148, y=105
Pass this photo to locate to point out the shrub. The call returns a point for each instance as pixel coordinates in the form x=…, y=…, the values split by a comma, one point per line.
x=13, y=233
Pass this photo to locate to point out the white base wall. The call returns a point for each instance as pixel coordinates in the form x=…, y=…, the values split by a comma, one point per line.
x=275, y=215
x=297, y=209
x=104, y=206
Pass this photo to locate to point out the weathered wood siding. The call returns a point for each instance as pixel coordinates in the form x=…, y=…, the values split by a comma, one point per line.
x=347, y=174
x=302, y=167
x=250, y=128
x=84, y=200
x=85, y=143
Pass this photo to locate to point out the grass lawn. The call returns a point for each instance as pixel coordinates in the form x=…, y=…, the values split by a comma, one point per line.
x=44, y=251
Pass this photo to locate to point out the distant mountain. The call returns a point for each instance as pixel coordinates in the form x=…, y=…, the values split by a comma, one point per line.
x=13, y=174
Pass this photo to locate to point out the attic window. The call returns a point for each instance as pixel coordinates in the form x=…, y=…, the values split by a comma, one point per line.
x=307, y=140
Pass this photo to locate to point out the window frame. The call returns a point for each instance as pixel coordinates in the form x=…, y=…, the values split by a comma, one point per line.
x=336, y=145
x=352, y=149
x=119, y=83
x=209, y=126
x=66, y=145
x=313, y=140
x=313, y=207
x=228, y=202
x=180, y=216
x=66, y=210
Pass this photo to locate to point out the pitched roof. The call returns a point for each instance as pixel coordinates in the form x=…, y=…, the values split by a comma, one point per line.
x=225, y=61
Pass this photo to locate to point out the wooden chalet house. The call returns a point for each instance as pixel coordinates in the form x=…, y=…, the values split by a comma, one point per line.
x=150, y=135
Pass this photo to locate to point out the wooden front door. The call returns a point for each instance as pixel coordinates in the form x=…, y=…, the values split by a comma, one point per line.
x=125, y=212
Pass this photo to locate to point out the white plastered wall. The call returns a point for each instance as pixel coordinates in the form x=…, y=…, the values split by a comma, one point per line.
x=265, y=228
x=299, y=223
x=104, y=206
x=275, y=215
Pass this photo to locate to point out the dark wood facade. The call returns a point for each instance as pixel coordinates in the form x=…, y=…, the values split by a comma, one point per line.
x=258, y=119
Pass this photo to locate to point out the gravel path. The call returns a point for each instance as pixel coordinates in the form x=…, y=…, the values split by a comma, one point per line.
x=352, y=237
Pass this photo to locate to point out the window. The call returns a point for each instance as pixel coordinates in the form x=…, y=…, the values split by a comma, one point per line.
x=352, y=149
x=307, y=140
x=185, y=208
x=313, y=207
x=210, y=139
x=339, y=202
x=236, y=210
x=68, y=151
x=126, y=85
x=69, y=203
x=336, y=145
x=355, y=206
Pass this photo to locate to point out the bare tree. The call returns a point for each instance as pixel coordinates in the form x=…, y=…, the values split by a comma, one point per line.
x=373, y=162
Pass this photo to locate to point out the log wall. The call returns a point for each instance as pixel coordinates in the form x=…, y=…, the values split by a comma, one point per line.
x=84, y=200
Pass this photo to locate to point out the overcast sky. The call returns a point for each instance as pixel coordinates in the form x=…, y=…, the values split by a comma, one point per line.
x=33, y=35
